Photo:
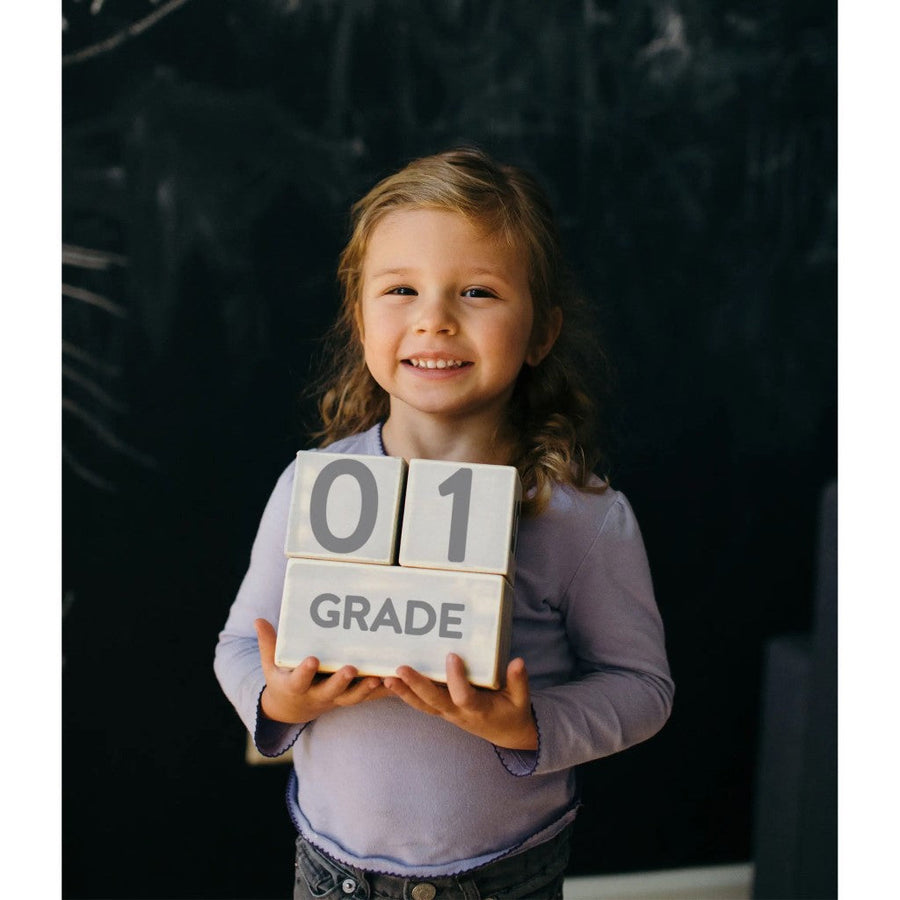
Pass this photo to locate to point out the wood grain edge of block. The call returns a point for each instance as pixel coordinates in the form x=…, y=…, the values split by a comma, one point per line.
x=364, y=671
x=340, y=558
x=509, y=573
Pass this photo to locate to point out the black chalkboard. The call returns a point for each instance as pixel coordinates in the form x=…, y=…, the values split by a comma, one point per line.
x=211, y=149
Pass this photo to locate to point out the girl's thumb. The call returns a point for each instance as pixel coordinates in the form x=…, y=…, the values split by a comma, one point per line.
x=265, y=634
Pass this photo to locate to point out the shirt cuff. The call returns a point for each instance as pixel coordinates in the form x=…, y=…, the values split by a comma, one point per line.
x=521, y=762
x=273, y=738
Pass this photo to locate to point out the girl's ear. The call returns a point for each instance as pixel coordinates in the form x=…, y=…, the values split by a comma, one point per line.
x=540, y=348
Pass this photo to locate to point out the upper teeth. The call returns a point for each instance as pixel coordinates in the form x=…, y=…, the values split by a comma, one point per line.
x=436, y=363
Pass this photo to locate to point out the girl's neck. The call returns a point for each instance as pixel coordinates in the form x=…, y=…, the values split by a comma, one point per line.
x=437, y=438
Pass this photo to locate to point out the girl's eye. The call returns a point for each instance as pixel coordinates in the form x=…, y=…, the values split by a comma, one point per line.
x=402, y=291
x=478, y=292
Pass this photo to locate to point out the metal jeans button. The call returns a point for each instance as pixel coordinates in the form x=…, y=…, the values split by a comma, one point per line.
x=348, y=885
x=423, y=891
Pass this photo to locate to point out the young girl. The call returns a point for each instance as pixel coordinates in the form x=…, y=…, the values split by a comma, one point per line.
x=452, y=344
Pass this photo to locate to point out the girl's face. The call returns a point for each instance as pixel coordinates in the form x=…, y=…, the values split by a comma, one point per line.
x=445, y=316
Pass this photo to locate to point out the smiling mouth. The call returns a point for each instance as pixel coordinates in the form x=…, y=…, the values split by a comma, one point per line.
x=421, y=363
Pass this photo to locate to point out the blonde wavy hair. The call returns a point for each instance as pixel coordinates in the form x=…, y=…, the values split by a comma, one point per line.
x=551, y=411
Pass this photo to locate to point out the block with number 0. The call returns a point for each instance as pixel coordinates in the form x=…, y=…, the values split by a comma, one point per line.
x=344, y=600
x=345, y=507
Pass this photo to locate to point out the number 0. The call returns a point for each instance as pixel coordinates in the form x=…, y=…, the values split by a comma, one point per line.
x=368, y=513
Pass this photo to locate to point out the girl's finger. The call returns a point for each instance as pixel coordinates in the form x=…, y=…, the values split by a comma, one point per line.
x=266, y=636
x=517, y=683
x=356, y=693
x=461, y=691
x=432, y=694
x=379, y=693
x=302, y=676
x=333, y=686
x=401, y=689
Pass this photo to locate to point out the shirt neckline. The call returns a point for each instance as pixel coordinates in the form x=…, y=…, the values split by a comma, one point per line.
x=379, y=439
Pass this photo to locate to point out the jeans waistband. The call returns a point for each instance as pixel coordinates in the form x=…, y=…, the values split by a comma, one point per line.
x=534, y=873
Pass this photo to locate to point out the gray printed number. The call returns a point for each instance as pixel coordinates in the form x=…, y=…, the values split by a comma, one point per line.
x=459, y=486
x=318, y=506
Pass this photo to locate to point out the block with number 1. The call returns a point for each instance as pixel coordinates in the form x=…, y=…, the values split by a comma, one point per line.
x=461, y=517
x=345, y=603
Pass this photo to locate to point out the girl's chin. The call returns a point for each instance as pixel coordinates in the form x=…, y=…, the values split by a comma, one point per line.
x=456, y=412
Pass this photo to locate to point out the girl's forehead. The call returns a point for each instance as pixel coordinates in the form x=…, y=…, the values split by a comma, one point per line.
x=416, y=226
x=409, y=215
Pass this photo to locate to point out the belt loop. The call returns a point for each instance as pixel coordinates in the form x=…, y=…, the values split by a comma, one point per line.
x=468, y=888
x=363, y=885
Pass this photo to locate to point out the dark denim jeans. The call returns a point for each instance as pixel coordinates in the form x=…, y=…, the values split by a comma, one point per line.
x=536, y=874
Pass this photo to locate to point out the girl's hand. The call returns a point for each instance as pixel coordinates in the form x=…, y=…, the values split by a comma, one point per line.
x=298, y=695
x=502, y=717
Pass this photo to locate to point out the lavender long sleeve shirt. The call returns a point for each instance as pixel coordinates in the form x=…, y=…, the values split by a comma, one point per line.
x=386, y=788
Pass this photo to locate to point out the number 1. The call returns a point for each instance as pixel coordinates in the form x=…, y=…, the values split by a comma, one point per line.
x=459, y=484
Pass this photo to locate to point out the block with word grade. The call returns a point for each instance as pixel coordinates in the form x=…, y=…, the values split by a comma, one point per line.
x=346, y=507
x=461, y=516
x=380, y=617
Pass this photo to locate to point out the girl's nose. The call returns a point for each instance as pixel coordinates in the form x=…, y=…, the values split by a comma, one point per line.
x=435, y=315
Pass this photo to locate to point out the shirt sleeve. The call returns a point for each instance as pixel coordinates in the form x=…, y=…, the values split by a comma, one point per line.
x=237, y=665
x=622, y=690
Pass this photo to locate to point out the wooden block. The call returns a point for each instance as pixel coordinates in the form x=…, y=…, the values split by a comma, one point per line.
x=345, y=506
x=461, y=516
x=380, y=617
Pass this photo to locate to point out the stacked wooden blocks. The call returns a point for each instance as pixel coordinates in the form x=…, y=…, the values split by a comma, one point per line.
x=451, y=526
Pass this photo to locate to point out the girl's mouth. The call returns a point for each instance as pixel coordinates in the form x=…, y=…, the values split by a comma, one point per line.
x=423, y=363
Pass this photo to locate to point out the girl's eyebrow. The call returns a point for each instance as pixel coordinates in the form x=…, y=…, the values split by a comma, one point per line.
x=401, y=270
x=404, y=271
x=496, y=273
